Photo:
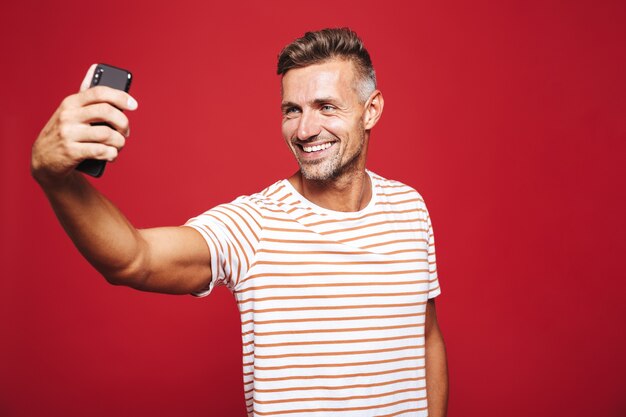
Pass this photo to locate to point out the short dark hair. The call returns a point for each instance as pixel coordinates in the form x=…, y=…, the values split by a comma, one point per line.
x=327, y=44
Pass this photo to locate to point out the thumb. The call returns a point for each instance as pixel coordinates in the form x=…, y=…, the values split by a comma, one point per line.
x=87, y=80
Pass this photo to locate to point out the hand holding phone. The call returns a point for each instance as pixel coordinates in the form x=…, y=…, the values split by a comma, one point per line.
x=113, y=77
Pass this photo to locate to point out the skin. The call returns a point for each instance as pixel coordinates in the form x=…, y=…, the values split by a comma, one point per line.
x=436, y=365
x=320, y=106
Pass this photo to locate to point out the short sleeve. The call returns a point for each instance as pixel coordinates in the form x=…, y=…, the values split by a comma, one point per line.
x=433, y=283
x=231, y=232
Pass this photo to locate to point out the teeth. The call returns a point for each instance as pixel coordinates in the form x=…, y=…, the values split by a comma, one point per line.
x=317, y=147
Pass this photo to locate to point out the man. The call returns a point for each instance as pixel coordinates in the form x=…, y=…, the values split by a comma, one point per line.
x=333, y=269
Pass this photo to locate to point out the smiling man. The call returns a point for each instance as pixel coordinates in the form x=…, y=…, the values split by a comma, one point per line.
x=333, y=269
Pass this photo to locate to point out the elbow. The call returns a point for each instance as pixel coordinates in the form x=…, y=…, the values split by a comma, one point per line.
x=133, y=275
x=116, y=279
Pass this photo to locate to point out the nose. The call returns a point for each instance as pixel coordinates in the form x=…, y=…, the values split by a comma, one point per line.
x=308, y=126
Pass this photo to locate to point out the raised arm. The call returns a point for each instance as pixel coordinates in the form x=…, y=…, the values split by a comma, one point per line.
x=171, y=259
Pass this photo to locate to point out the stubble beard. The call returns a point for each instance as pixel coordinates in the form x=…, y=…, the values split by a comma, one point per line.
x=331, y=168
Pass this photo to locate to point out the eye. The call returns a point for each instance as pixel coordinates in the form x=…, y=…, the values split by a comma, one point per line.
x=290, y=112
x=327, y=108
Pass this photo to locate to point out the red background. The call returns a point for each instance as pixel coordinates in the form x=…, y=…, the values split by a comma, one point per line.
x=509, y=118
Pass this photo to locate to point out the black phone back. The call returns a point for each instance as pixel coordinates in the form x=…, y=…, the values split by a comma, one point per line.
x=113, y=77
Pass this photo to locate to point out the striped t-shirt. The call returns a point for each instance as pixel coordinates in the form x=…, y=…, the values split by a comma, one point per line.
x=332, y=303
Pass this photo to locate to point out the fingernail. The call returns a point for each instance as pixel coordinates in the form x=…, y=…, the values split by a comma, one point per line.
x=132, y=103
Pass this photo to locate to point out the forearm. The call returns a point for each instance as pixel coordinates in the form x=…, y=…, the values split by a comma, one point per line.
x=436, y=374
x=98, y=229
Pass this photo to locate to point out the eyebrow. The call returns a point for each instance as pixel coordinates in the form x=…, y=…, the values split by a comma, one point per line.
x=287, y=105
x=323, y=100
x=317, y=101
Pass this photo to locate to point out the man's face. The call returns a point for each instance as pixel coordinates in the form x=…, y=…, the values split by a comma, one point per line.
x=323, y=119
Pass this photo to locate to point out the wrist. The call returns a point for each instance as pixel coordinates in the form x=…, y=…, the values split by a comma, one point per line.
x=55, y=183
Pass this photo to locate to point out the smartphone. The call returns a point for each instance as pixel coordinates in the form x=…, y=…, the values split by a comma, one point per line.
x=113, y=77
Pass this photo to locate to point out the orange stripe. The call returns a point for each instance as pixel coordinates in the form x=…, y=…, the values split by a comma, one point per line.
x=305, y=410
x=333, y=342
x=418, y=210
x=337, y=263
x=385, y=232
x=392, y=316
x=330, y=252
x=334, y=284
x=395, y=252
x=280, y=187
x=273, y=210
x=390, y=185
x=305, y=215
x=337, y=273
x=313, y=252
x=337, y=365
x=355, y=352
x=398, y=193
x=408, y=410
x=411, y=200
x=344, y=330
x=308, y=242
x=341, y=230
x=289, y=230
x=385, y=222
x=288, y=220
x=400, y=261
x=353, y=397
x=393, y=242
x=328, y=296
x=284, y=309
x=313, y=354
x=364, y=374
x=333, y=387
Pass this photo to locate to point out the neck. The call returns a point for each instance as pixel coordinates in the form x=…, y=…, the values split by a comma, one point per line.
x=351, y=192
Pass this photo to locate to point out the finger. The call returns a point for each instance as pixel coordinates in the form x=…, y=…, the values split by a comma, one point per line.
x=104, y=112
x=100, y=134
x=96, y=151
x=103, y=94
x=87, y=80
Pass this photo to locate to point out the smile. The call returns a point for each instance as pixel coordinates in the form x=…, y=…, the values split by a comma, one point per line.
x=316, y=148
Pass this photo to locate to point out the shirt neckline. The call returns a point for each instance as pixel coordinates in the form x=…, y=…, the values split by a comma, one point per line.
x=338, y=214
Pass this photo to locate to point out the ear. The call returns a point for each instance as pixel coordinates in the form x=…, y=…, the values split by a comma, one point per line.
x=373, y=109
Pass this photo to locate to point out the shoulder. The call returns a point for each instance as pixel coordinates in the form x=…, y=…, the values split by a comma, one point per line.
x=252, y=208
x=271, y=198
x=395, y=191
